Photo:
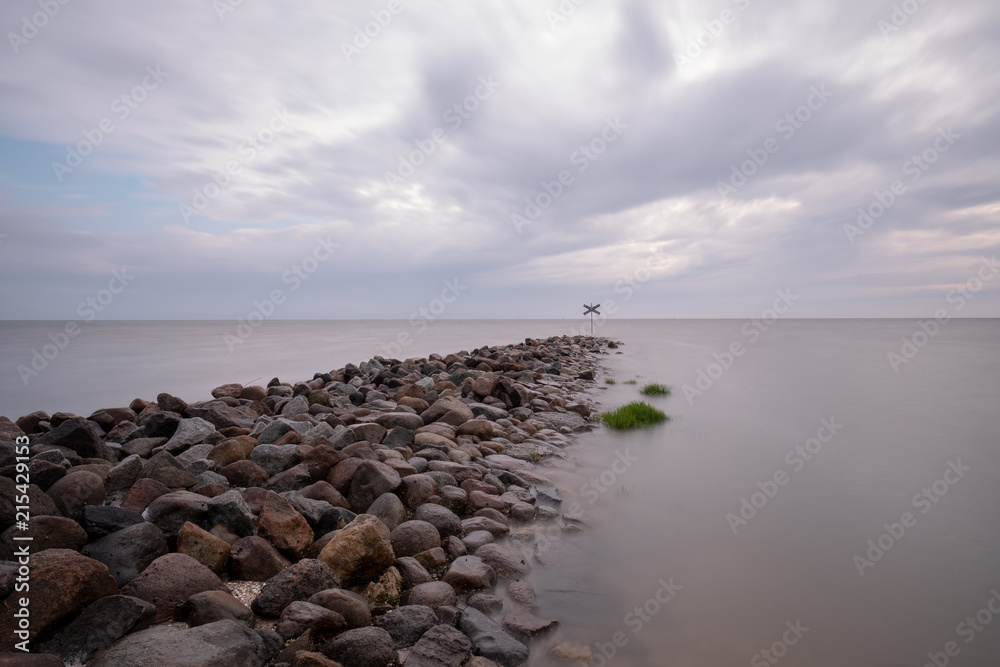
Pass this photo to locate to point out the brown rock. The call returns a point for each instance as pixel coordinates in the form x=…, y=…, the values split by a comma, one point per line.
x=254, y=559
x=433, y=594
x=142, y=493
x=253, y=393
x=170, y=580
x=282, y=526
x=74, y=491
x=244, y=474
x=327, y=492
x=360, y=551
x=211, y=606
x=203, y=546
x=47, y=532
x=348, y=604
x=232, y=450
x=231, y=390
x=411, y=537
x=342, y=474
x=62, y=583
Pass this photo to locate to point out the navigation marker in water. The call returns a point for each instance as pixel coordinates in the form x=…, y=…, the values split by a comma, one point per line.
x=590, y=310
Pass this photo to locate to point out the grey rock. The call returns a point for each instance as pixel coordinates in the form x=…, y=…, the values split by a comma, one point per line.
x=389, y=508
x=129, y=551
x=300, y=616
x=363, y=647
x=275, y=458
x=407, y=624
x=371, y=480
x=123, y=476
x=441, y=646
x=189, y=432
x=219, y=644
x=298, y=582
x=211, y=606
x=231, y=509
x=490, y=640
x=99, y=625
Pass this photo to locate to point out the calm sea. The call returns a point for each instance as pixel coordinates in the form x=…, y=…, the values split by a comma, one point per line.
x=807, y=499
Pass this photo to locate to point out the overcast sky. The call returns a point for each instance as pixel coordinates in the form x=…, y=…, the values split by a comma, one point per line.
x=115, y=117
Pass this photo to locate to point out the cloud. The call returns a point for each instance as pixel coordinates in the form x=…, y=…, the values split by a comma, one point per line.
x=353, y=119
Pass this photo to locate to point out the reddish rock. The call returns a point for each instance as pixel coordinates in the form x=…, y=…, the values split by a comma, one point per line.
x=282, y=526
x=207, y=549
x=62, y=583
x=244, y=474
x=170, y=580
x=254, y=559
x=142, y=493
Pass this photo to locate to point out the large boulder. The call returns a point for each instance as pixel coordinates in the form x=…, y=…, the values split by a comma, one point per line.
x=363, y=647
x=164, y=468
x=354, y=608
x=408, y=623
x=129, y=551
x=76, y=489
x=441, y=646
x=219, y=644
x=211, y=606
x=371, y=480
x=469, y=573
x=189, y=432
x=170, y=511
x=360, y=551
x=46, y=532
x=170, y=580
x=254, y=559
x=63, y=583
x=411, y=537
x=298, y=582
x=282, y=526
x=99, y=625
x=79, y=435
x=490, y=640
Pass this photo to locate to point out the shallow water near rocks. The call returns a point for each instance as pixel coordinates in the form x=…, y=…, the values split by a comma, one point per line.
x=664, y=517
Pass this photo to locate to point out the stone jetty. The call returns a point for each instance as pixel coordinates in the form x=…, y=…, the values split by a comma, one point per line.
x=361, y=518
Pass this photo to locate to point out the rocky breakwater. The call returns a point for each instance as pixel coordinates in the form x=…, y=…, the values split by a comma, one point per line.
x=357, y=519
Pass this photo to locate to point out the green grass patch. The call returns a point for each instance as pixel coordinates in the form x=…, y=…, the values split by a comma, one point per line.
x=609, y=381
x=631, y=382
x=654, y=389
x=634, y=415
